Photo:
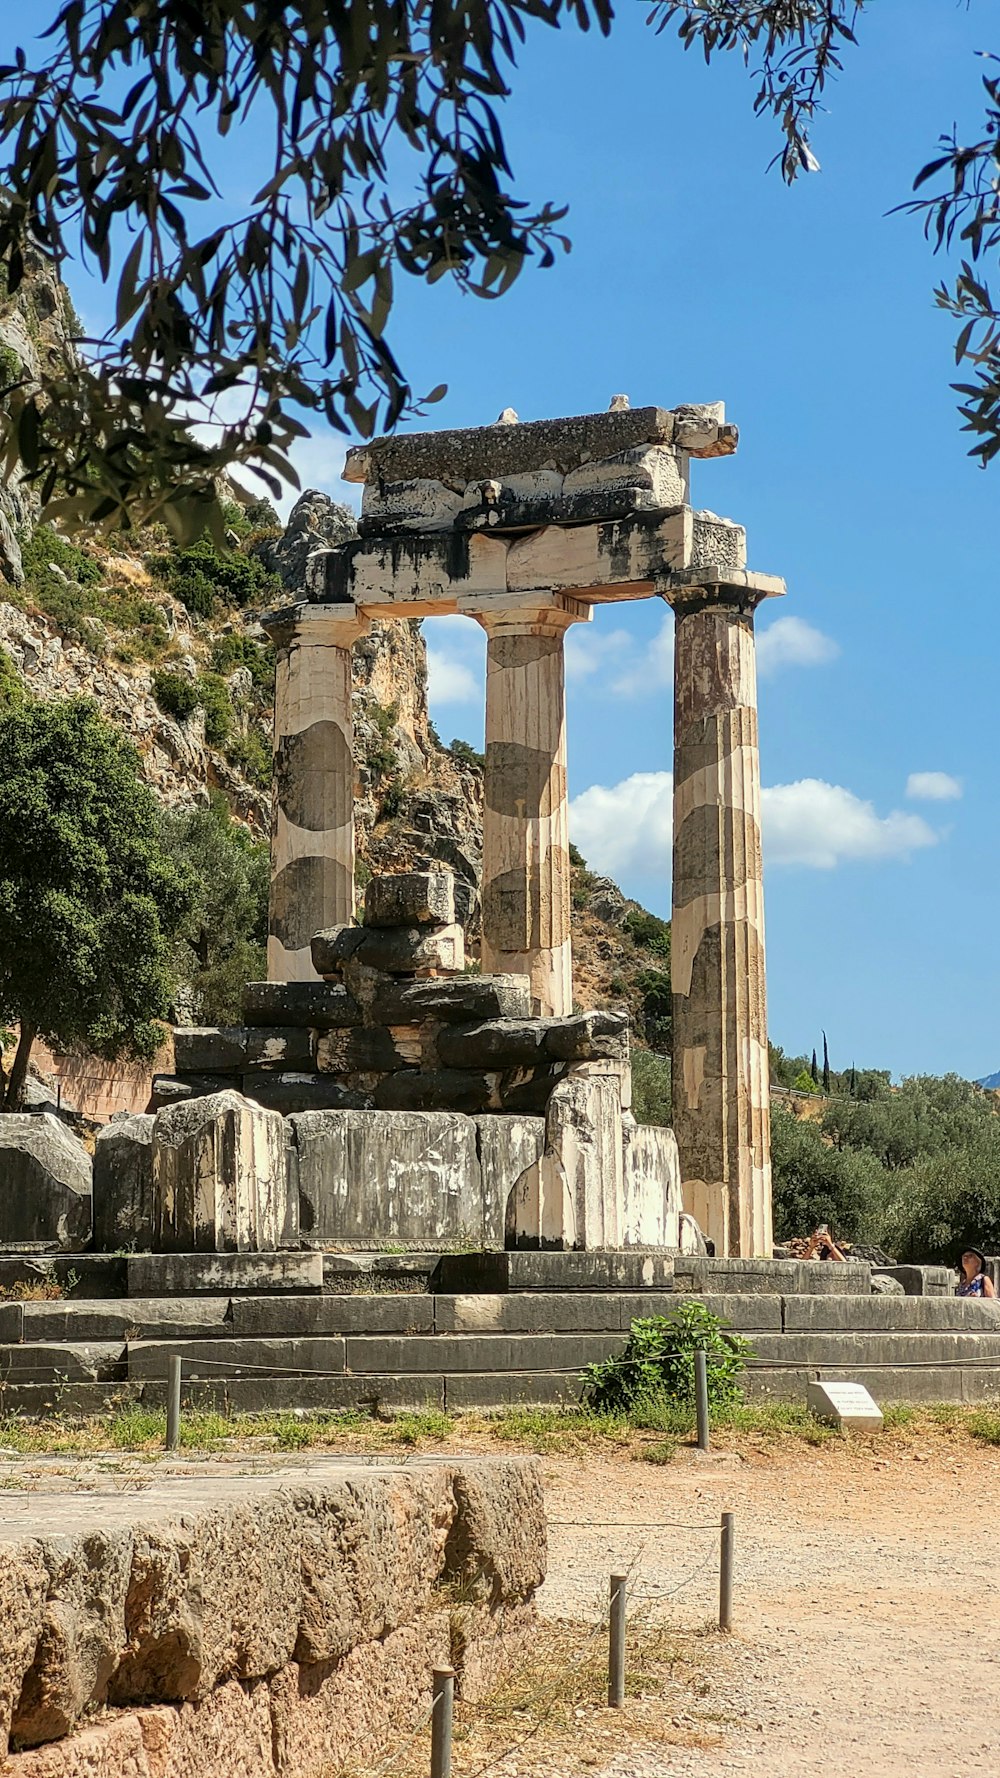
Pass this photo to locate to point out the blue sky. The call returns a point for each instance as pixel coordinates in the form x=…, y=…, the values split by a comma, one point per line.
x=697, y=276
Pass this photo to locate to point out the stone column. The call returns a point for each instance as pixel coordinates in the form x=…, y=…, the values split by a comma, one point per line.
x=720, y=1071
x=526, y=889
x=312, y=833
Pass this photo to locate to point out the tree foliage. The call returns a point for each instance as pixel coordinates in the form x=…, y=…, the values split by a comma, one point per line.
x=89, y=899
x=915, y=1168
x=222, y=942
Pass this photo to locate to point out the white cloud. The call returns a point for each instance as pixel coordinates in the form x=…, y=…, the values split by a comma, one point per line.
x=456, y=656
x=791, y=642
x=450, y=681
x=654, y=669
x=627, y=829
x=591, y=651
x=822, y=825
x=933, y=787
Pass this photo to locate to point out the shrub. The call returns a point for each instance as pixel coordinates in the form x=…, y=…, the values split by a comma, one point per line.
x=45, y=547
x=232, y=651
x=648, y=931
x=657, y=1006
x=11, y=685
x=658, y=1362
x=203, y=575
x=176, y=694
x=465, y=755
x=652, y=1101
x=392, y=799
x=251, y=755
x=213, y=696
x=814, y=1182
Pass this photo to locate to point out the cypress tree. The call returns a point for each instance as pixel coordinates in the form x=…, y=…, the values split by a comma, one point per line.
x=826, y=1066
x=814, y=1071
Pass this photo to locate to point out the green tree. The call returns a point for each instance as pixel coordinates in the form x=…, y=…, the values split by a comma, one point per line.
x=109, y=145
x=89, y=899
x=815, y=1183
x=222, y=941
x=826, y=1066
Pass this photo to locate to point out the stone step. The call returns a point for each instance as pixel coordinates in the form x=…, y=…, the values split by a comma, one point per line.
x=528, y=1269
x=890, y=1314
x=189, y=1274
x=845, y=1349
x=147, y=1318
x=770, y=1277
x=97, y=1361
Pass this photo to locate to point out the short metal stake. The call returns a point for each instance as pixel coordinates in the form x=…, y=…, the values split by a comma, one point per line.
x=442, y=1721
x=701, y=1396
x=173, y=1403
x=616, y=1641
x=726, y=1572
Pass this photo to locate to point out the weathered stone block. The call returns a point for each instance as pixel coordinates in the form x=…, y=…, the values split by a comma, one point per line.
x=461, y=1000
x=220, y=1179
x=525, y=1092
x=331, y=948
x=174, y=1089
x=588, y=1037
x=301, y=1092
x=508, y=1148
x=367, y=1049
x=388, y=1175
x=397, y=1312
x=234, y=1048
x=495, y=1043
x=463, y=1272
x=123, y=1184
x=45, y=1183
x=191, y=1274
x=392, y=950
x=652, y=1186
x=414, y=898
x=441, y=1089
x=320, y=1006
x=156, y=1318
x=575, y=1195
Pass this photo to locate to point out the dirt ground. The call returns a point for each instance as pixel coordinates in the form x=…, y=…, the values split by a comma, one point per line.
x=866, y=1637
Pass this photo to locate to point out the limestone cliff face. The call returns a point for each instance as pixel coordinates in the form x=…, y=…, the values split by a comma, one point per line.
x=415, y=801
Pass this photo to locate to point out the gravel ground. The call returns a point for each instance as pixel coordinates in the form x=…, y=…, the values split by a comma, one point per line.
x=866, y=1630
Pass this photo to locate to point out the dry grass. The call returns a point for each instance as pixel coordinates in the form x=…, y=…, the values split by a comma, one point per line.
x=657, y=1434
x=548, y=1710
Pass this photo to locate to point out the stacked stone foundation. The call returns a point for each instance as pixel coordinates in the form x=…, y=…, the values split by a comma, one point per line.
x=415, y=1102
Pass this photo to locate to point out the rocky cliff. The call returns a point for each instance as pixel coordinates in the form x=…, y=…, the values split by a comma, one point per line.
x=170, y=645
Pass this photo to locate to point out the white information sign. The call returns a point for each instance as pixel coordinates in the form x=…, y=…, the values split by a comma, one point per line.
x=849, y=1404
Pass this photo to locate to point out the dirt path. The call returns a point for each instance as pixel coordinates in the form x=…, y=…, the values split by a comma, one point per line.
x=867, y=1629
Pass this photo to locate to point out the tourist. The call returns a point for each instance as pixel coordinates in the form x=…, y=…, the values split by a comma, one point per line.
x=821, y=1245
x=973, y=1280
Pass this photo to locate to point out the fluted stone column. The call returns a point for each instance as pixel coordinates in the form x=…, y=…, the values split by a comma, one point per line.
x=720, y=1073
x=526, y=886
x=312, y=833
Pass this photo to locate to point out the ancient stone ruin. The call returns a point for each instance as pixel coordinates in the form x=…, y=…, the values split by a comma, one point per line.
x=525, y=528
x=423, y=1105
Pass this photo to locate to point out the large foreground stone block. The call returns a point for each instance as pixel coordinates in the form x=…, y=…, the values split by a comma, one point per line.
x=123, y=1184
x=220, y=1177
x=375, y=1176
x=652, y=1186
x=45, y=1183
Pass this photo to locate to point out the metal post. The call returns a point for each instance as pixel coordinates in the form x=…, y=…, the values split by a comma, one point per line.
x=701, y=1396
x=726, y=1572
x=173, y=1403
x=442, y=1721
x=616, y=1642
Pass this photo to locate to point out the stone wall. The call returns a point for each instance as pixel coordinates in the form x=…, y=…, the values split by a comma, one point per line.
x=284, y=1625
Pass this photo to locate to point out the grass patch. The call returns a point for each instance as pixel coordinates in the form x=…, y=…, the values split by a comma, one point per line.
x=984, y=1424
x=662, y=1452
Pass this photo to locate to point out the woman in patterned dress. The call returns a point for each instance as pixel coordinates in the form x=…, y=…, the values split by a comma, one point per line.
x=973, y=1280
